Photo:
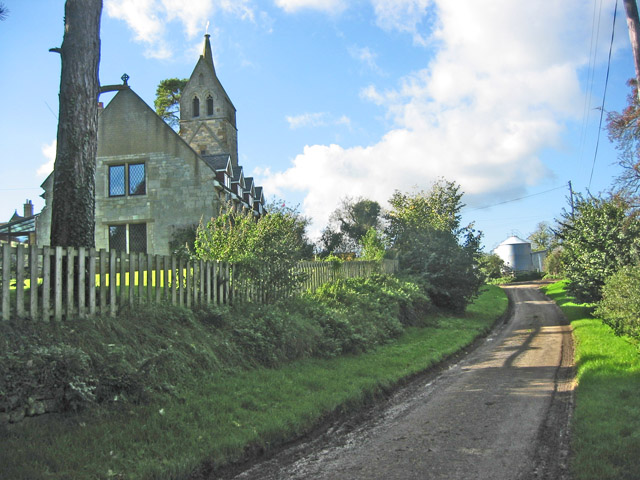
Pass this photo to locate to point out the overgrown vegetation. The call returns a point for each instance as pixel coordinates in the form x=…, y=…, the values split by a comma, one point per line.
x=263, y=251
x=173, y=388
x=600, y=237
x=106, y=360
x=620, y=304
x=425, y=231
x=606, y=421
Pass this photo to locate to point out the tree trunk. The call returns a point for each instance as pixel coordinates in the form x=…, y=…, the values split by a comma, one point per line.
x=73, y=208
x=631, y=8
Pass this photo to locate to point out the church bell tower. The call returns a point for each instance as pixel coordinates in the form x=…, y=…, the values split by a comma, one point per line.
x=207, y=116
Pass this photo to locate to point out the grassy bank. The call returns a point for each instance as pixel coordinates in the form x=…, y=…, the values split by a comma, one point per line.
x=212, y=415
x=606, y=422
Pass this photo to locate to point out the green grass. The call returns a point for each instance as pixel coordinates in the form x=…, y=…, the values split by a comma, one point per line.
x=606, y=422
x=214, y=417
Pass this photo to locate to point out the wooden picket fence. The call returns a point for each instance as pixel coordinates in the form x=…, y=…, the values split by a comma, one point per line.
x=52, y=283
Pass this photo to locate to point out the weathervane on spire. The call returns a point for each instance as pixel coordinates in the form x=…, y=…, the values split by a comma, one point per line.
x=207, y=29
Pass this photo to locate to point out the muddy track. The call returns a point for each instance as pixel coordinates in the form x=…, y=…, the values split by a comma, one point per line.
x=500, y=412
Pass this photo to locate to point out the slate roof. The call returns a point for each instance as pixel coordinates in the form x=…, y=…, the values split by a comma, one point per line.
x=217, y=162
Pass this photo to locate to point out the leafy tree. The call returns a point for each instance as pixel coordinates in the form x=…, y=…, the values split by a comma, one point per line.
x=331, y=241
x=374, y=245
x=602, y=236
x=425, y=230
x=554, y=262
x=73, y=207
x=167, y=100
x=624, y=132
x=542, y=237
x=354, y=217
x=264, y=251
x=491, y=266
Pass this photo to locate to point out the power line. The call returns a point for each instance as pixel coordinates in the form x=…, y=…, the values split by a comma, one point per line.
x=515, y=199
x=593, y=54
x=604, y=95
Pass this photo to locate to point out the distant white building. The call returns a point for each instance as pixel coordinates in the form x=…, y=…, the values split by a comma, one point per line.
x=516, y=254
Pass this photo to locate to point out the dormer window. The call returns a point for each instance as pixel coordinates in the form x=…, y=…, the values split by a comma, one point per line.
x=209, y=105
x=227, y=181
x=196, y=107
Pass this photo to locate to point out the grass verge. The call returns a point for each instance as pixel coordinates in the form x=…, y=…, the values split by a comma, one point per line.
x=215, y=417
x=606, y=422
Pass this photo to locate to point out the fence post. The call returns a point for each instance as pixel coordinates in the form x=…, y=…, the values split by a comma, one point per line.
x=57, y=304
x=189, y=272
x=132, y=276
x=157, y=278
x=103, y=281
x=113, y=304
x=92, y=281
x=70, y=285
x=149, y=271
x=20, y=281
x=215, y=271
x=6, y=281
x=122, y=290
x=174, y=282
x=46, y=283
x=33, y=282
x=82, y=278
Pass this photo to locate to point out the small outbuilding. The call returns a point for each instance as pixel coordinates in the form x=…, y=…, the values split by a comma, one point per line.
x=516, y=254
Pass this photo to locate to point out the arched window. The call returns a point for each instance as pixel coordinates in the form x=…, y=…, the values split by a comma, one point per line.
x=209, y=105
x=196, y=107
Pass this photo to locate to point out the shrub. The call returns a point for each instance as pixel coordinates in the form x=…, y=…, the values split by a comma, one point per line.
x=601, y=236
x=620, y=304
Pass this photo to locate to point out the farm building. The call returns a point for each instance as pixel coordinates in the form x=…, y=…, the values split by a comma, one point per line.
x=516, y=254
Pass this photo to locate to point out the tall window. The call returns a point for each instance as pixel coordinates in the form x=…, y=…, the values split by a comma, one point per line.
x=196, y=107
x=130, y=237
x=209, y=105
x=128, y=179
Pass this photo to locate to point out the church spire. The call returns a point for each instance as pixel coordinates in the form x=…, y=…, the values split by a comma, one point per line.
x=206, y=54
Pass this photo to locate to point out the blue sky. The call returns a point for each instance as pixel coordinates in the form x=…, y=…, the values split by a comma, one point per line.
x=355, y=98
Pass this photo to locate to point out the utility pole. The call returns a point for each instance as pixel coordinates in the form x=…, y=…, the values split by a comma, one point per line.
x=633, y=22
x=571, y=197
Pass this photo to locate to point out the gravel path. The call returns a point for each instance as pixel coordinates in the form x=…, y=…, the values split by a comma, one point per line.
x=501, y=413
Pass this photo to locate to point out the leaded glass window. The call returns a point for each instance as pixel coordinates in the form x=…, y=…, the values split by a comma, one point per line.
x=138, y=237
x=118, y=238
x=209, y=105
x=137, y=185
x=128, y=237
x=116, y=180
x=196, y=107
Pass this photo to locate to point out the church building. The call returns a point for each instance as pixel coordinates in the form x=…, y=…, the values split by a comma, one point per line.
x=152, y=182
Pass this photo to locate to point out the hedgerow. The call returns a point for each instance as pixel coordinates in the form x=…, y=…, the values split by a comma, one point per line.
x=148, y=349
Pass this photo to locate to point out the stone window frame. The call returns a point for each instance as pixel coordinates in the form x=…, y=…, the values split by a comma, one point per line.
x=210, y=106
x=126, y=186
x=195, y=106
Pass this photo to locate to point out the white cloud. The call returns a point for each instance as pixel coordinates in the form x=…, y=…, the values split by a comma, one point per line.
x=366, y=56
x=149, y=18
x=327, y=6
x=49, y=152
x=317, y=119
x=498, y=91
x=404, y=16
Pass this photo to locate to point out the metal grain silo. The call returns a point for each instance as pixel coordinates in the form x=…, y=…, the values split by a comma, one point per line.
x=516, y=254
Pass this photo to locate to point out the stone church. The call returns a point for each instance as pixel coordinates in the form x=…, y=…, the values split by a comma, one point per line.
x=152, y=182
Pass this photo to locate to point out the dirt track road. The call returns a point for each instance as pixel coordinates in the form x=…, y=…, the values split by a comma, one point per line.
x=501, y=413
